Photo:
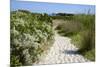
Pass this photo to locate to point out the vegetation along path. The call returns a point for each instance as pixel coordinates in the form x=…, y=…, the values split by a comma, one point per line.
x=62, y=51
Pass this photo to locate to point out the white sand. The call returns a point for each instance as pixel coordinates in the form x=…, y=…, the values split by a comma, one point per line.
x=62, y=51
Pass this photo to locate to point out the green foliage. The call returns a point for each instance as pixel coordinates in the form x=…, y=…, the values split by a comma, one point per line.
x=76, y=39
x=81, y=28
x=69, y=28
x=88, y=21
x=90, y=54
x=30, y=33
x=87, y=41
x=15, y=61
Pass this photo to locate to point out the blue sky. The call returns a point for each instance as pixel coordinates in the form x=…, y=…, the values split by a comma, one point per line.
x=43, y=7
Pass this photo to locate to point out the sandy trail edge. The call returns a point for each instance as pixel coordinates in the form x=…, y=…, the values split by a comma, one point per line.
x=62, y=51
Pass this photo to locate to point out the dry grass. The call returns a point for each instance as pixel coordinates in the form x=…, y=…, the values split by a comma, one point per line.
x=82, y=31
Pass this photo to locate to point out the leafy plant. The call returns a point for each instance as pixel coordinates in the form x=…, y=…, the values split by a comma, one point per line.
x=30, y=33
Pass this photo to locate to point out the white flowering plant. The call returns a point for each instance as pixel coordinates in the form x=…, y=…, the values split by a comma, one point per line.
x=31, y=35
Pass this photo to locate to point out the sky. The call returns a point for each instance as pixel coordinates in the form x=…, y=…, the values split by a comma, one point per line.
x=43, y=7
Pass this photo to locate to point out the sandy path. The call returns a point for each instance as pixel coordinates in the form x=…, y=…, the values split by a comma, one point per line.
x=62, y=51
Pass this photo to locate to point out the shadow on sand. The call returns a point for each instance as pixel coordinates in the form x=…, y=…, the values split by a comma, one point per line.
x=70, y=52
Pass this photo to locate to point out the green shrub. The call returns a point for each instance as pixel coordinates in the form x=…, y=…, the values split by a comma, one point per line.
x=90, y=54
x=87, y=40
x=81, y=28
x=68, y=28
x=87, y=35
x=31, y=35
x=88, y=21
x=15, y=61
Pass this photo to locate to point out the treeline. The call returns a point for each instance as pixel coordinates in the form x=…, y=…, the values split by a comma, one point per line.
x=63, y=16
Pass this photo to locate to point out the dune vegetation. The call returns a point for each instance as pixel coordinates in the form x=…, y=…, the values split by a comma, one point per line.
x=81, y=29
x=31, y=35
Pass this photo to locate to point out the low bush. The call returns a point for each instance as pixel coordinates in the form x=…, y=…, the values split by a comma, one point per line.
x=31, y=35
x=87, y=41
x=90, y=54
x=68, y=28
x=81, y=28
